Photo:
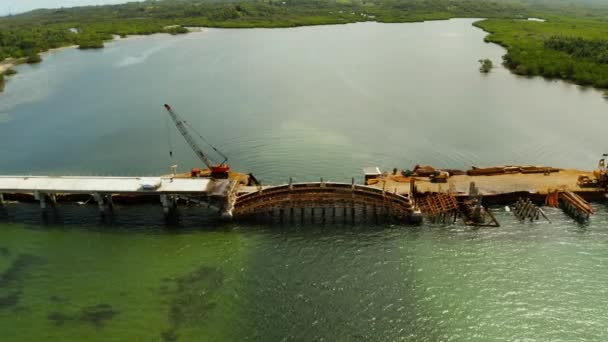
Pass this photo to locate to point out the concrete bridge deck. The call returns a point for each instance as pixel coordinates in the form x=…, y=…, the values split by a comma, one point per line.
x=46, y=189
x=118, y=185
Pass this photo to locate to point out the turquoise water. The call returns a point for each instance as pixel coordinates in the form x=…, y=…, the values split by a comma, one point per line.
x=307, y=102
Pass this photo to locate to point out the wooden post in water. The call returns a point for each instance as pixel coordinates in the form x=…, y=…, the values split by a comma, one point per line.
x=375, y=214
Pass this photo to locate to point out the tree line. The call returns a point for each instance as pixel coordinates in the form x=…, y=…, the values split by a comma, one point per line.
x=88, y=27
x=594, y=50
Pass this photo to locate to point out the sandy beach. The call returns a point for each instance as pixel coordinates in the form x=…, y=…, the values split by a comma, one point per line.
x=9, y=63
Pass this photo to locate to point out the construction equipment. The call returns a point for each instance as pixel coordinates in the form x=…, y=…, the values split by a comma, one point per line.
x=600, y=174
x=439, y=176
x=217, y=170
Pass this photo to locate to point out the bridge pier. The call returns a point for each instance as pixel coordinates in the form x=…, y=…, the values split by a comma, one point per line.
x=333, y=214
x=375, y=213
x=53, y=199
x=41, y=198
x=104, y=203
x=169, y=205
x=1, y=199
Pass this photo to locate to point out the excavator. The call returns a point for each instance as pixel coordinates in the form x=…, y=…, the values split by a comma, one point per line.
x=600, y=176
x=220, y=170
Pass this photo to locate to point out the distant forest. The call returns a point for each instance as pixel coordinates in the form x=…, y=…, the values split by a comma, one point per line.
x=36, y=31
x=534, y=48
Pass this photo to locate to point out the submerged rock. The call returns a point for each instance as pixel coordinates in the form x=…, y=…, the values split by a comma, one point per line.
x=98, y=314
x=192, y=299
x=59, y=318
x=10, y=300
x=11, y=280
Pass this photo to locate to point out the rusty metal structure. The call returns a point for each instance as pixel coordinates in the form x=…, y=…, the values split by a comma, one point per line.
x=325, y=202
x=439, y=207
x=524, y=209
x=575, y=206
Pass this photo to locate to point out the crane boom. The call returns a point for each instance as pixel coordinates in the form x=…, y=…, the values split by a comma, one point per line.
x=181, y=127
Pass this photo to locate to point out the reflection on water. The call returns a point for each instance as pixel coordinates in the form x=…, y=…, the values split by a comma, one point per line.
x=306, y=103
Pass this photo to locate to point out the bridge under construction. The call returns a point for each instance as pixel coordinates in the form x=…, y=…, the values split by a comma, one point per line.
x=440, y=195
x=385, y=198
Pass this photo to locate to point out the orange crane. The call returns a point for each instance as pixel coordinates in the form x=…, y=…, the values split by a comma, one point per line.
x=217, y=170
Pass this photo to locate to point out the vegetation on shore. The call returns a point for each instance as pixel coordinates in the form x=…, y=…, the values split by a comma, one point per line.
x=89, y=27
x=486, y=65
x=566, y=46
x=33, y=58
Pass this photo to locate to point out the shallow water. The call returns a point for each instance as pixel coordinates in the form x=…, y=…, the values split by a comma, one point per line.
x=306, y=102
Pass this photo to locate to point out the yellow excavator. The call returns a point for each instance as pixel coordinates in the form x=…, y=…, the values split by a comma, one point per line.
x=600, y=176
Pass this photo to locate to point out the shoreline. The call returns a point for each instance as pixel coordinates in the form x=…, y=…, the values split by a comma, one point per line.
x=10, y=63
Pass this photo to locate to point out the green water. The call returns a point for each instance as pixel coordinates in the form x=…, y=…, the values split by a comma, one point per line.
x=307, y=102
x=518, y=282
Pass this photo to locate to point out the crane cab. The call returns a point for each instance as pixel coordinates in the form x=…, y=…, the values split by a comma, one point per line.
x=220, y=171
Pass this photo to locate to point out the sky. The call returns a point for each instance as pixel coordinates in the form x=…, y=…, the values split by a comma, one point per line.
x=20, y=6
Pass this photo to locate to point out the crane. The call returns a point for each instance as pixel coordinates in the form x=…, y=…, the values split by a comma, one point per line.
x=217, y=170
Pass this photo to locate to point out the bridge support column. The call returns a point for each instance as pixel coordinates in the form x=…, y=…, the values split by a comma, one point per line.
x=281, y=215
x=104, y=203
x=302, y=214
x=169, y=204
x=375, y=214
x=110, y=203
x=323, y=215
x=1, y=199
x=41, y=198
x=53, y=199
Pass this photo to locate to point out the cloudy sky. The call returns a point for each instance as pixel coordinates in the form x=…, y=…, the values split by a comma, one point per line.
x=19, y=6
